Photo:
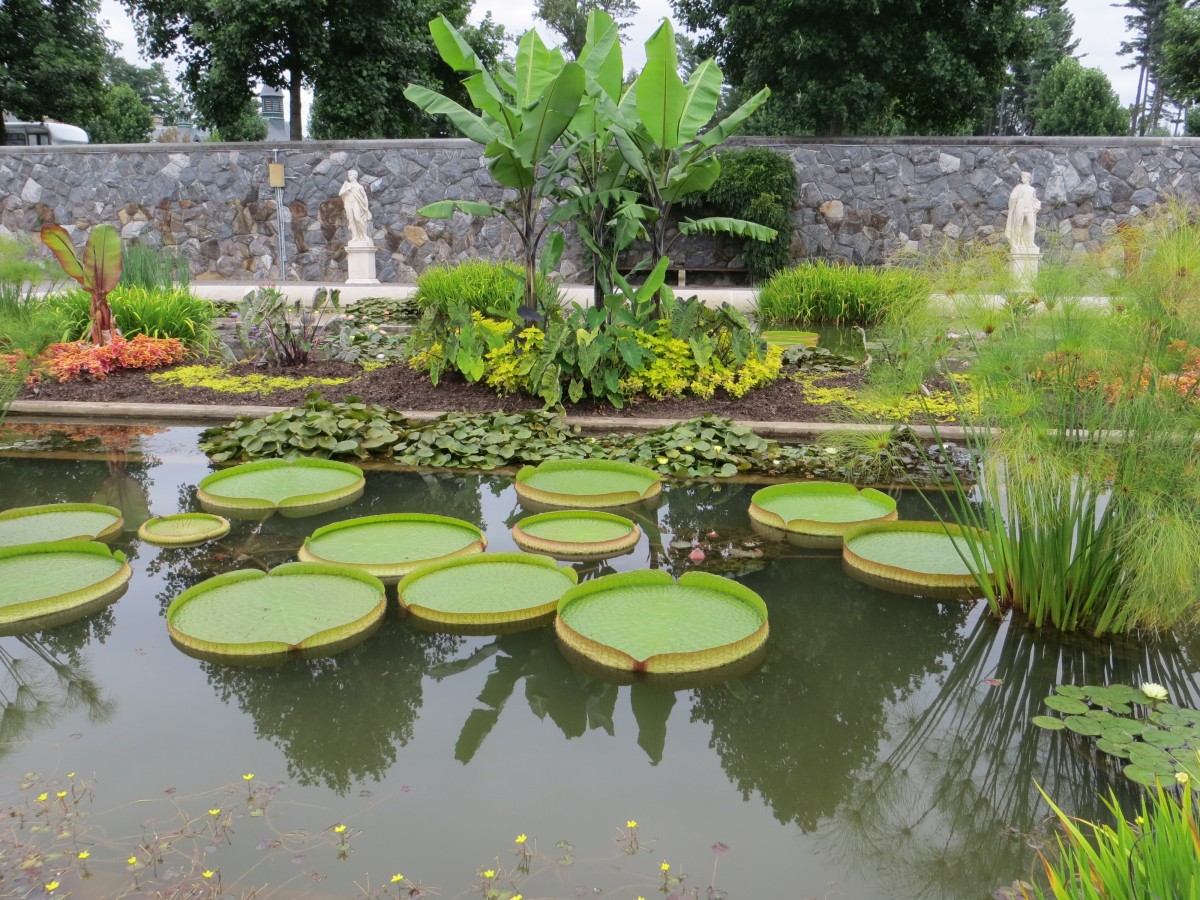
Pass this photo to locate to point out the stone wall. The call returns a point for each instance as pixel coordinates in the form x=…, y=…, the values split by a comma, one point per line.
x=860, y=200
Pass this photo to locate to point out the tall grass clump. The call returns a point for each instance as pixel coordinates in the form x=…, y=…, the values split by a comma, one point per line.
x=821, y=293
x=155, y=312
x=1156, y=855
x=483, y=285
x=27, y=325
x=1085, y=501
x=153, y=268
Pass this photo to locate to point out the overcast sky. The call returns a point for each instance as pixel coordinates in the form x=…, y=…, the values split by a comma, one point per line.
x=1099, y=26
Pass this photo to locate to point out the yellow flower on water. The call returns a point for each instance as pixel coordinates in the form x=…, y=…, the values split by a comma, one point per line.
x=42, y=796
x=61, y=794
x=397, y=877
x=1182, y=777
x=208, y=873
x=83, y=854
x=632, y=823
x=132, y=860
x=247, y=776
x=664, y=866
x=521, y=838
x=52, y=886
x=489, y=873
x=518, y=897
x=70, y=774
x=215, y=812
x=339, y=828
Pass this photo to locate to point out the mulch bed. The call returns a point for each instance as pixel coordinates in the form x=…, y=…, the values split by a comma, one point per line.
x=399, y=387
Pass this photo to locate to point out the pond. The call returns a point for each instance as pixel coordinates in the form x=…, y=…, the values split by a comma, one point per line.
x=882, y=747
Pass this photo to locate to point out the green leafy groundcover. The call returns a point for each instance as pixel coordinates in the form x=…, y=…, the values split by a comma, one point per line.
x=48, y=579
x=1152, y=740
x=59, y=522
x=297, y=487
x=647, y=622
x=587, y=483
x=487, y=590
x=819, y=509
x=295, y=607
x=183, y=529
x=576, y=534
x=390, y=546
x=921, y=554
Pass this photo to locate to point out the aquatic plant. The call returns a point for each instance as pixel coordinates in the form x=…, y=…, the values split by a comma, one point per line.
x=819, y=509
x=587, y=483
x=59, y=522
x=48, y=583
x=392, y=545
x=183, y=529
x=576, y=534
x=916, y=554
x=299, y=487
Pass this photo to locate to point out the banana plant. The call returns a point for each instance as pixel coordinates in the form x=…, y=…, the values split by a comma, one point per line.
x=522, y=114
x=98, y=271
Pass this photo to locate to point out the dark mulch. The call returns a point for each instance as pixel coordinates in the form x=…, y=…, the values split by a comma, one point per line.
x=402, y=388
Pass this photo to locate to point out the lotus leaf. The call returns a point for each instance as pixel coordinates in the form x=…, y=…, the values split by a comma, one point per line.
x=1083, y=725
x=390, y=546
x=486, y=591
x=1112, y=748
x=59, y=522
x=300, y=487
x=576, y=534
x=183, y=529
x=645, y=621
x=820, y=509
x=295, y=607
x=1050, y=723
x=50, y=578
x=1066, y=705
x=589, y=483
x=915, y=553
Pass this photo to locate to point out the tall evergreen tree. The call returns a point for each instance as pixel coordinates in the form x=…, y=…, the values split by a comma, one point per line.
x=1146, y=23
x=1046, y=38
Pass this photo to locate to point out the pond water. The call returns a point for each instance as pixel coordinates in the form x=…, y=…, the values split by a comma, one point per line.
x=881, y=749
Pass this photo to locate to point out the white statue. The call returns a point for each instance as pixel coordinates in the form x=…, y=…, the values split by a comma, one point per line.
x=1023, y=206
x=358, y=214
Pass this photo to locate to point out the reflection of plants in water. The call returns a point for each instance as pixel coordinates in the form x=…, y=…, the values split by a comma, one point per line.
x=41, y=680
x=961, y=775
x=370, y=694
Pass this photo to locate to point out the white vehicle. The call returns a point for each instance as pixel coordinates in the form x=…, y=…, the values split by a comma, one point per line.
x=22, y=134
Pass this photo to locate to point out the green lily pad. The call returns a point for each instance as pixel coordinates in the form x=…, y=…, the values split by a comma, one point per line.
x=788, y=339
x=1050, y=723
x=1112, y=748
x=59, y=522
x=392, y=545
x=819, y=508
x=1152, y=758
x=298, y=487
x=57, y=577
x=1070, y=690
x=1117, y=735
x=486, y=592
x=1168, y=740
x=576, y=534
x=183, y=529
x=1142, y=775
x=917, y=553
x=1066, y=705
x=296, y=607
x=1083, y=725
x=645, y=621
x=587, y=483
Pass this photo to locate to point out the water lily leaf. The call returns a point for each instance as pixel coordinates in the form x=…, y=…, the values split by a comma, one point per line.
x=1165, y=739
x=1050, y=723
x=1070, y=690
x=1152, y=758
x=1112, y=748
x=1140, y=775
x=1083, y=725
x=1117, y=735
x=1066, y=705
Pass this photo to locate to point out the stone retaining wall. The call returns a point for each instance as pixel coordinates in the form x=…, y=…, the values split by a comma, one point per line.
x=860, y=200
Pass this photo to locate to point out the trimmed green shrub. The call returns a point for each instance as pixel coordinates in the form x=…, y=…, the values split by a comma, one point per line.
x=821, y=293
x=158, y=313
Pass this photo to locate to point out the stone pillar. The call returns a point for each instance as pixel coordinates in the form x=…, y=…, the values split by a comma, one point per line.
x=360, y=263
x=1023, y=264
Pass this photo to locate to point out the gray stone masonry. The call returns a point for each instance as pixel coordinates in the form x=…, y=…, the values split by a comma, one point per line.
x=860, y=200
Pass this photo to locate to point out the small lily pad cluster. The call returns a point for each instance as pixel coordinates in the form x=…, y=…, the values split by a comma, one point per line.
x=820, y=360
x=699, y=448
x=1157, y=741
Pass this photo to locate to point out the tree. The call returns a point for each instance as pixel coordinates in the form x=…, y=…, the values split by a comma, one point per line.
x=1079, y=101
x=569, y=18
x=863, y=66
x=1046, y=38
x=1147, y=24
x=51, y=60
x=151, y=83
x=1181, y=54
x=248, y=126
x=125, y=118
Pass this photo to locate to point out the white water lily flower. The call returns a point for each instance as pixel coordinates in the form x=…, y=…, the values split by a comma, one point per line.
x=1154, y=691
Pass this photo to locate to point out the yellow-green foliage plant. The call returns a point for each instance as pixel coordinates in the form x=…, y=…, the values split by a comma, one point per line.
x=1155, y=855
x=217, y=378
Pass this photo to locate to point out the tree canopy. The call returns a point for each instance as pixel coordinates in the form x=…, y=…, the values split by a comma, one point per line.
x=863, y=66
x=1181, y=55
x=124, y=119
x=51, y=60
x=569, y=18
x=1074, y=100
x=1046, y=37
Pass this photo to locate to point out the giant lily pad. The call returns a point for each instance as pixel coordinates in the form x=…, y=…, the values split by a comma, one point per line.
x=576, y=534
x=390, y=546
x=486, y=593
x=298, y=487
x=183, y=529
x=820, y=511
x=59, y=522
x=647, y=622
x=296, y=607
x=41, y=582
x=920, y=554
x=587, y=483
x=789, y=339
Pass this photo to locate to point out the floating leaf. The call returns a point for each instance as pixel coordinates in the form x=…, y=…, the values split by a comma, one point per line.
x=1050, y=723
x=1066, y=705
x=1112, y=748
x=1083, y=725
x=920, y=554
x=1165, y=739
x=1141, y=775
x=1069, y=690
x=820, y=508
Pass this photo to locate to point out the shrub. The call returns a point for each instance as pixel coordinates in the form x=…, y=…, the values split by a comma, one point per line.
x=71, y=361
x=825, y=293
x=154, y=312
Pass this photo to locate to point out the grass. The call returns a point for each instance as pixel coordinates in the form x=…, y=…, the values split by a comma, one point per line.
x=152, y=268
x=483, y=285
x=819, y=293
x=155, y=312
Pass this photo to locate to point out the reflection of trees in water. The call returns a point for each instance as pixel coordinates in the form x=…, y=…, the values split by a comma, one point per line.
x=934, y=812
x=338, y=720
x=799, y=729
x=443, y=494
x=43, y=676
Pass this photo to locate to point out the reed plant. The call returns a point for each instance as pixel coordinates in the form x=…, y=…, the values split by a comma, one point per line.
x=155, y=312
x=820, y=293
x=1155, y=855
x=154, y=268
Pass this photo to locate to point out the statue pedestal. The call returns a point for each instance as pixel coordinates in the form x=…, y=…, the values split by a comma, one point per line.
x=360, y=263
x=1024, y=267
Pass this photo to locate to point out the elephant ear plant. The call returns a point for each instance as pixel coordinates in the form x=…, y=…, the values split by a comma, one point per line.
x=98, y=271
x=522, y=115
